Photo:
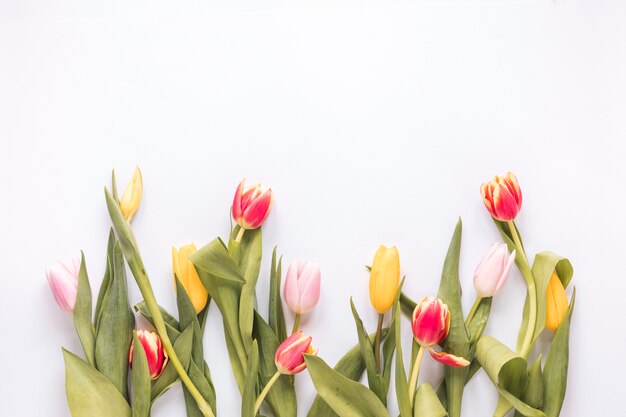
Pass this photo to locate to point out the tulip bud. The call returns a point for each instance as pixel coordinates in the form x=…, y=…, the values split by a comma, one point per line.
x=493, y=270
x=430, y=322
x=156, y=355
x=251, y=206
x=384, y=278
x=290, y=354
x=186, y=273
x=63, y=281
x=556, y=303
x=502, y=197
x=302, y=286
x=131, y=199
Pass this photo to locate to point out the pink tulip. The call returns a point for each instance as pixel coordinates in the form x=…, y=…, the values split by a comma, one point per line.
x=251, y=206
x=302, y=286
x=430, y=322
x=156, y=355
x=63, y=280
x=502, y=197
x=290, y=354
x=493, y=270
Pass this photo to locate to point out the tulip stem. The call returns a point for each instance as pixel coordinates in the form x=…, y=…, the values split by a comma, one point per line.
x=472, y=312
x=263, y=393
x=296, y=323
x=240, y=234
x=532, y=293
x=379, y=330
x=415, y=373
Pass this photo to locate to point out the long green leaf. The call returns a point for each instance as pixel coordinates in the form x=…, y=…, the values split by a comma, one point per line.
x=351, y=366
x=402, y=386
x=375, y=379
x=171, y=324
x=426, y=402
x=346, y=397
x=106, y=280
x=89, y=393
x=140, y=377
x=276, y=317
x=250, y=388
x=534, y=393
x=457, y=342
x=555, y=370
x=282, y=396
x=82, y=314
x=115, y=331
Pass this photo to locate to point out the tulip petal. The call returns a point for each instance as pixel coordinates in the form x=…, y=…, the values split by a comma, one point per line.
x=505, y=206
x=449, y=359
x=290, y=290
x=236, y=208
x=309, y=287
x=257, y=211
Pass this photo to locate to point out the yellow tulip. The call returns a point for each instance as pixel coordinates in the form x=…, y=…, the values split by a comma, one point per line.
x=131, y=199
x=556, y=303
x=384, y=278
x=188, y=276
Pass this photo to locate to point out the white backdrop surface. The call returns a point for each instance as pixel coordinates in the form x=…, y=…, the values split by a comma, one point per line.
x=373, y=122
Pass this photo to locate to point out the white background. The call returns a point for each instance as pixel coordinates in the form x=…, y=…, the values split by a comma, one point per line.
x=373, y=122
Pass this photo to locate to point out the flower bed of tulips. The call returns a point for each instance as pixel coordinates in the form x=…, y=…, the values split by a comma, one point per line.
x=123, y=370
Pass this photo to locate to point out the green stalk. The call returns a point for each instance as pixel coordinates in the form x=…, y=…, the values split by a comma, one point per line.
x=532, y=292
x=296, y=323
x=472, y=312
x=415, y=374
x=263, y=393
x=131, y=253
x=379, y=329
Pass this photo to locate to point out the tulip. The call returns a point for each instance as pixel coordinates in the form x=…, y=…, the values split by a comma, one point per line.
x=251, y=207
x=430, y=324
x=302, y=288
x=131, y=199
x=157, y=357
x=186, y=273
x=289, y=360
x=493, y=270
x=502, y=197
x=290, y=354
x=63, y=280
x=556, y=303
x=430, y=321
x=384, y=278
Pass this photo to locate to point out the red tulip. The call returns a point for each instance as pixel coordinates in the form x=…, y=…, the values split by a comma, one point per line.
x=156, y=355
x=251, y=206
x=502, y=197
x=290, y=354
x=430, y=322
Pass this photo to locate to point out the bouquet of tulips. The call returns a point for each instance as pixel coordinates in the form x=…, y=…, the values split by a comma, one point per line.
x=124, y=370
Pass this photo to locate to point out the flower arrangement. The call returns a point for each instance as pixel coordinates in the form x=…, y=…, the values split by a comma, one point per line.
x=124, y=370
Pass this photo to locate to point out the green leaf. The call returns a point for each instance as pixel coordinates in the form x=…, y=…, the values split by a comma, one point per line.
x=457, y=342
x=479, y=321
x=205, y=387
x=351, y=366
x=507, y=371
x=426, y=402
x=402, y=386
x=89, y=393
x=555, y=370
x=276, y=317
x=140, y=377
x=250, y=388
x=375, y=380
x=223, y=279
x=106, y=280
x=116, y=327
x=408, y=305
x=82, y=314
x=182, y=347
x=544, y=265
x=346, y=397
x=282, y=396
x=534, y=393
x=171, y=324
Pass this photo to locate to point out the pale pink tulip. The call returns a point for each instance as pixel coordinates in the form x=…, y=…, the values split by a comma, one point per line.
x=63, y=280
x=302, y=286
x=493, y=270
